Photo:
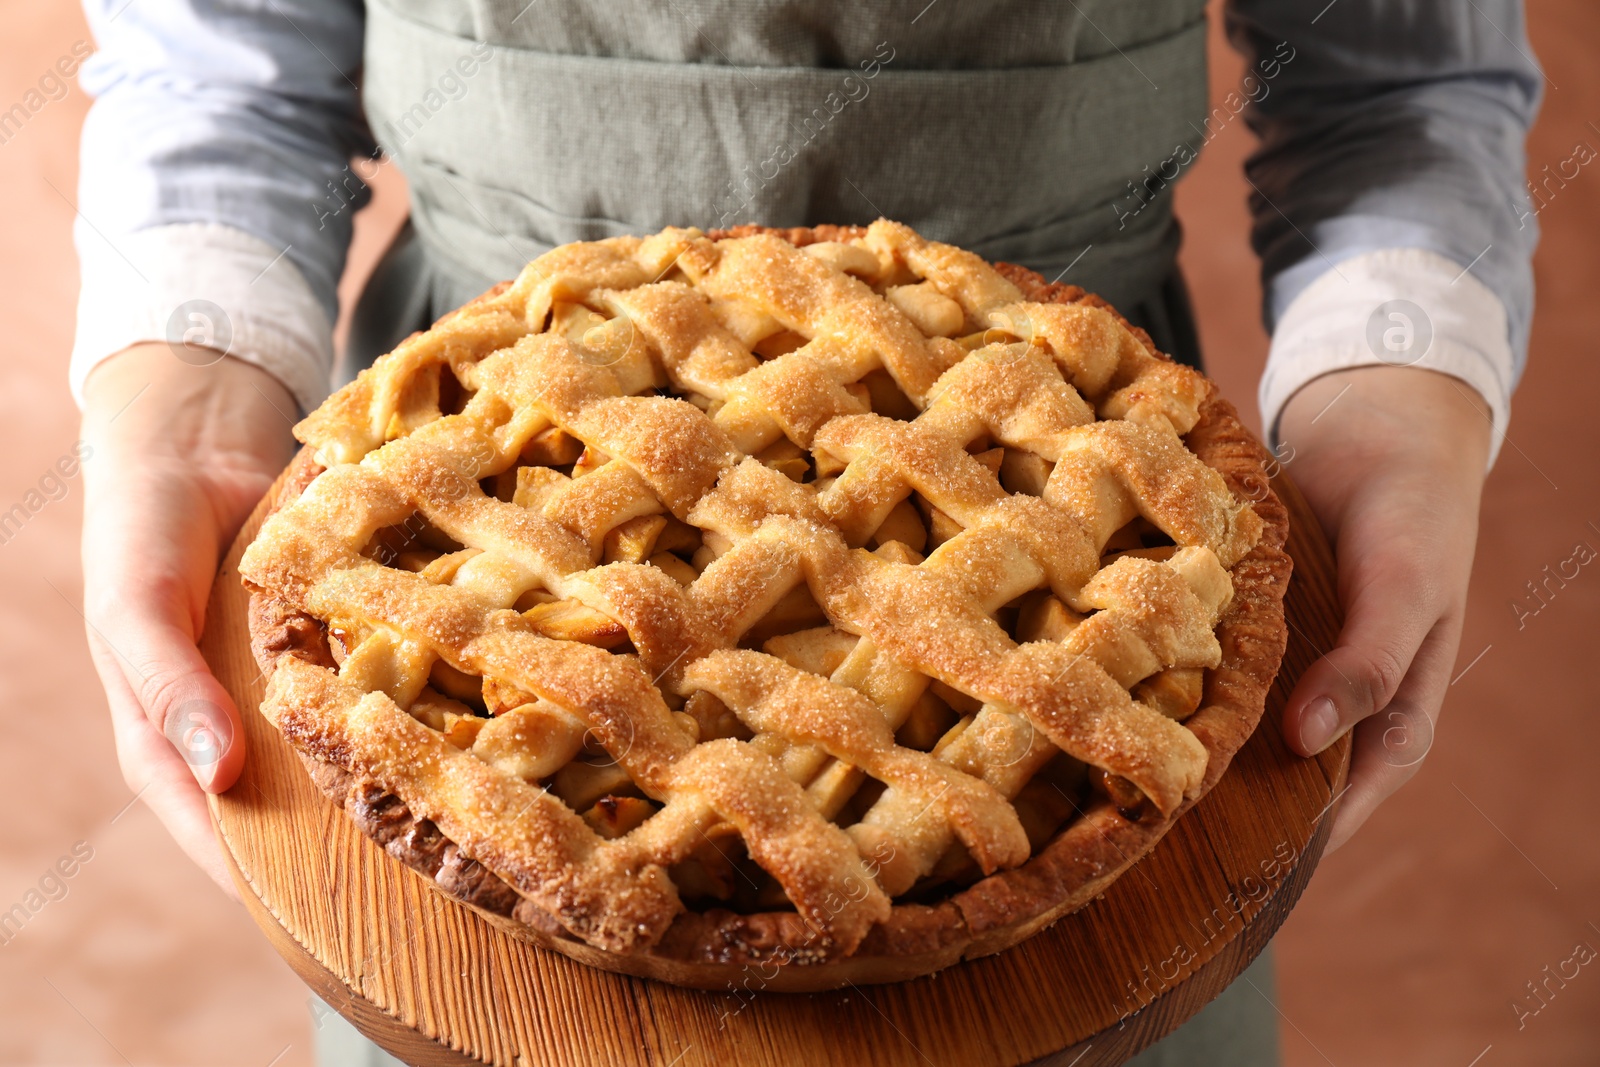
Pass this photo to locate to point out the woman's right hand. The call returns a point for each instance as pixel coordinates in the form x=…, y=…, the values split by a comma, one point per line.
x=178, y=455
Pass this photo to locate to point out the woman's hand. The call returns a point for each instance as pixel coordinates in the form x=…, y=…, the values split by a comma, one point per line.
x=181, y=454
x=1392, y=461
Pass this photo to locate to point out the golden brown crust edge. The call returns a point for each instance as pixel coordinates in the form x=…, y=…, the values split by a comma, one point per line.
x=717, y=948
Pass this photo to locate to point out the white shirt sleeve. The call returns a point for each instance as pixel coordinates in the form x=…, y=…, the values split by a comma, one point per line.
x=214, y=196
x=207, y=284
x=1396, y=306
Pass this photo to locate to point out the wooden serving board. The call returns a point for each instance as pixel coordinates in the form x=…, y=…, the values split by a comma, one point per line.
x=434, y=984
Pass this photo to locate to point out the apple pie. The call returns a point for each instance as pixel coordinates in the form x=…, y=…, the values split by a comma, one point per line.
x=828, y=602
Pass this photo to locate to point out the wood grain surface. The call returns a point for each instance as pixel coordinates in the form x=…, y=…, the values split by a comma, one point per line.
x=433, y=983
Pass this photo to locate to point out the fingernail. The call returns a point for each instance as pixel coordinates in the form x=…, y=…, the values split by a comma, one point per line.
x=201, y=732
x=1318, y=724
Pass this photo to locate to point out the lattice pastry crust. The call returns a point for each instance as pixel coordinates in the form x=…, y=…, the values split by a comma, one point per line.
x=829, y=600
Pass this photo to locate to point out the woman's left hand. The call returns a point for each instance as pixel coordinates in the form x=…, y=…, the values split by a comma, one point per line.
x=1392, y=460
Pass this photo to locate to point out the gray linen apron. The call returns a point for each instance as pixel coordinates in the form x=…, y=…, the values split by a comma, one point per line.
x=1041, y=132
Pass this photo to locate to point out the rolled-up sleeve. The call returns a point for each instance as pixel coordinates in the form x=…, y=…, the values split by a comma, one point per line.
x=1388, y=192
x=216, y=197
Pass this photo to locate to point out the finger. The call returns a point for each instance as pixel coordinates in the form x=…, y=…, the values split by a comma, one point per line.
x=169, y=791
x=1389, y=747
x=171, y=682
x=160, y=778
x=149, y=559
x=1387, y=617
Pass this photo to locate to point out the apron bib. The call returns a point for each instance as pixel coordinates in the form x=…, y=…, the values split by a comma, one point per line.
x=1014, y=128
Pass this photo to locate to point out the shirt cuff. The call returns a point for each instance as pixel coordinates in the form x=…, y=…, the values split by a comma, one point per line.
x=1404, y=307
x=205, y=284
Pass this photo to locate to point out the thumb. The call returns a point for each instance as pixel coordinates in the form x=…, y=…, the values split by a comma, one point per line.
x=164, y=775
x=161, y=779
x=1385, y=624
x=178, y=695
